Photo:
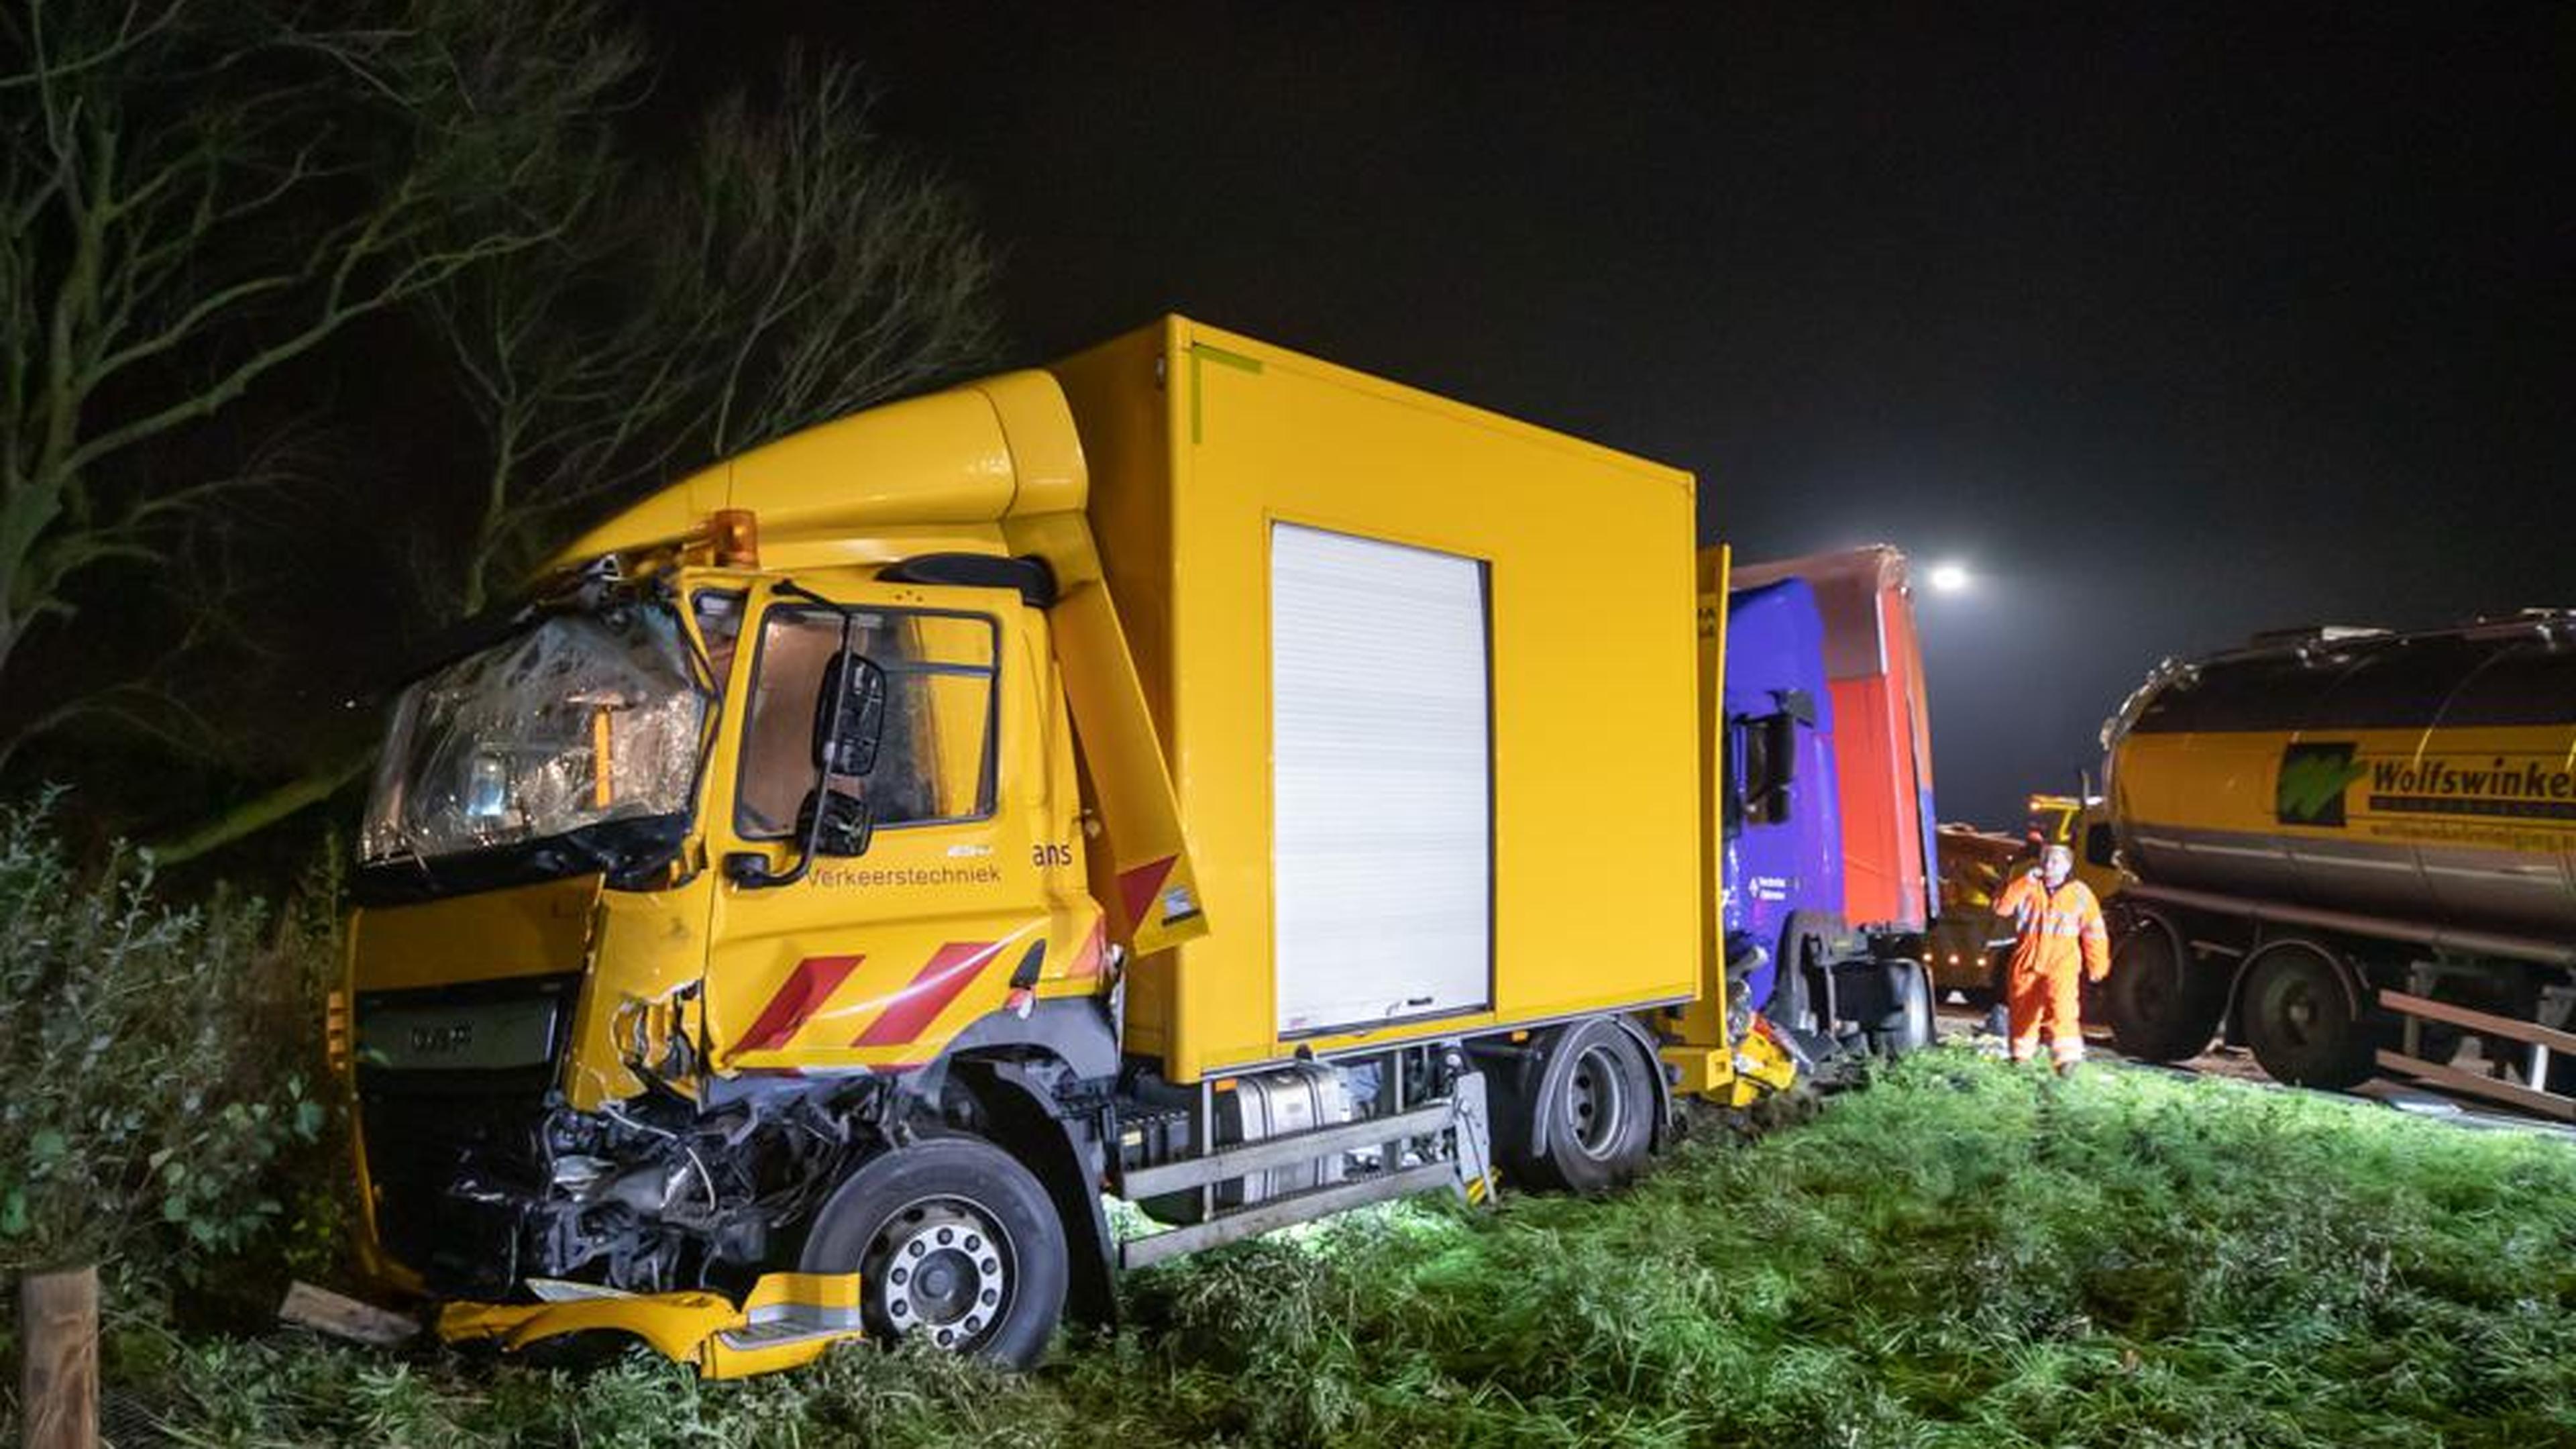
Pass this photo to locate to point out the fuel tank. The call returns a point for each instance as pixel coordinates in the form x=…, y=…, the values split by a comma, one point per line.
x=2426, y=776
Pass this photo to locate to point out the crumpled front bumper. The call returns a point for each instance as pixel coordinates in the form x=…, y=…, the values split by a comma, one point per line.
x=1753, y=1067
x=786, y=1320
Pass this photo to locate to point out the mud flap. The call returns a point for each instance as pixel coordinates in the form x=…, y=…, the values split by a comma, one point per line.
x=786, y=1320
x=1476, y=1173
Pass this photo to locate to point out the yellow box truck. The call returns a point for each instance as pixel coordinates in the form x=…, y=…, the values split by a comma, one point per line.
x=1193, y=773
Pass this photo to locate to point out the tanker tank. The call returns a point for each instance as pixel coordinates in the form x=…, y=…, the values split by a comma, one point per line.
x=2354, y=850
x=2426, y=775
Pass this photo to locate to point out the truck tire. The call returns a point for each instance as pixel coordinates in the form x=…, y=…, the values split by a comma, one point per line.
x=2162, y=1007
x=2300, y=1018
x=1909, y=1028
x=1787, y=1008
x=953, y=1241
x=1583, y=1119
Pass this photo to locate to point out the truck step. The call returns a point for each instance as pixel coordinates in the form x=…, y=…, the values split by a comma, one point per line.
x=782, y=1333
x=1234, y=1162
x=1301, y=1207
x=773, y=1325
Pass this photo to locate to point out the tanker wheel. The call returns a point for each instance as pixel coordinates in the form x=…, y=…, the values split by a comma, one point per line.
x=2162, y=1007
x=1591, y=1101
x=954, y=1242
x=2301, y=1021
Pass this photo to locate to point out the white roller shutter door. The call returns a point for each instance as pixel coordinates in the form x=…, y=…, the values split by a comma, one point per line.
x=1381, y=781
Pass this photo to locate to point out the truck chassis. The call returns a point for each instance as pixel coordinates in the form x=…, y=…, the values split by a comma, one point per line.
x=2329, y=998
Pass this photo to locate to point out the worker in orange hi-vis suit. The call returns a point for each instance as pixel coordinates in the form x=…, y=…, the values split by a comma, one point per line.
x=2058, y=928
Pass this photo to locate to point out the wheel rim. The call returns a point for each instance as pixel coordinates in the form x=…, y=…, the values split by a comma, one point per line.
x=2296, y=1011
x=943, y=1269
x=2301, y=1023
x=1596, y=1101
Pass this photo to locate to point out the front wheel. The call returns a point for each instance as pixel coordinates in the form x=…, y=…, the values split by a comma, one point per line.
x=954, y=1242
x=2162, y=1006
x=1909, y=1027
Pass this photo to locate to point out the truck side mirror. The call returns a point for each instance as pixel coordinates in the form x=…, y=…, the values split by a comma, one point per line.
x=849, y=722
x=1766, y=761
x=849, y=715
x=1781, y=745
x=1780, y=754
x=847, y=824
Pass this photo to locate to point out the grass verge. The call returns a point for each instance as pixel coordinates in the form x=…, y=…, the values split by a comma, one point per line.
x=1961, y=1255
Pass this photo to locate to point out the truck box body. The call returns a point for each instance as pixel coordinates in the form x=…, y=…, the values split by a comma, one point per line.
x=1426, y=679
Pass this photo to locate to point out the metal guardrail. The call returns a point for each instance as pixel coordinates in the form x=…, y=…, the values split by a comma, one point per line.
x=2542, y=1040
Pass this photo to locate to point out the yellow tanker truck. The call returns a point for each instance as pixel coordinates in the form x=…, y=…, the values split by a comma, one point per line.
x=790, y=924
x=2359, y=848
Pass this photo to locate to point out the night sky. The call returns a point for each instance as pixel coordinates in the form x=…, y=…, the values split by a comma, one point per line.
x=2173, y=323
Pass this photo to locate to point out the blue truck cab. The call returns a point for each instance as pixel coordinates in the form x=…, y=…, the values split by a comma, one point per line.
x=1833, y=991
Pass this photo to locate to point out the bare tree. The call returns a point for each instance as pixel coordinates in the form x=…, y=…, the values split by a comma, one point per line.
x=197, y=196
x=573, y=394
x=795, y=267
x=214, y=601
x=848, y=273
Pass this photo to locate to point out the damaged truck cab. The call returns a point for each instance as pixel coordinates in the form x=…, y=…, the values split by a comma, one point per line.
x=786, y=928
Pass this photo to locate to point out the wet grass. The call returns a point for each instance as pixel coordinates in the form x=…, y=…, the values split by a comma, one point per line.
x=1961, y=1255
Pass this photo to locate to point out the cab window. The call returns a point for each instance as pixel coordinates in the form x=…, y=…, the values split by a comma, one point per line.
x=719, y=618
x=935, y=761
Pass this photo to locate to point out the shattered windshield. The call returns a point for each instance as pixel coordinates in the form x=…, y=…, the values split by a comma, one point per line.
x=581, y=720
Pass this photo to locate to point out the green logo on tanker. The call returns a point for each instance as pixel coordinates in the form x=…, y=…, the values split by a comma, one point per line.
x=2313, y=778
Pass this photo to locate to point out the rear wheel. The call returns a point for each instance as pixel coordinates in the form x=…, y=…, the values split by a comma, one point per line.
x=2162, y=1006
x=2300, y=1018
x=954, y=1242
x=1583, y=1118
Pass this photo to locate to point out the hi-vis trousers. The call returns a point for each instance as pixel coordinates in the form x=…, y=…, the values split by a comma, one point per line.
x=2047, y=999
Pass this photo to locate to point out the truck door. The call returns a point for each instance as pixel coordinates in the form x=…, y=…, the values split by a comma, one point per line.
x=963, y=890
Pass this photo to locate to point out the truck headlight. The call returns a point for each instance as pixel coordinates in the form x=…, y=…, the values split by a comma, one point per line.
x=487, y=788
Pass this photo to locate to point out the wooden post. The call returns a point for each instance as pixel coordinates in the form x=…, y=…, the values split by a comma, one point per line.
x=58, y=1341
x=324, y=1311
